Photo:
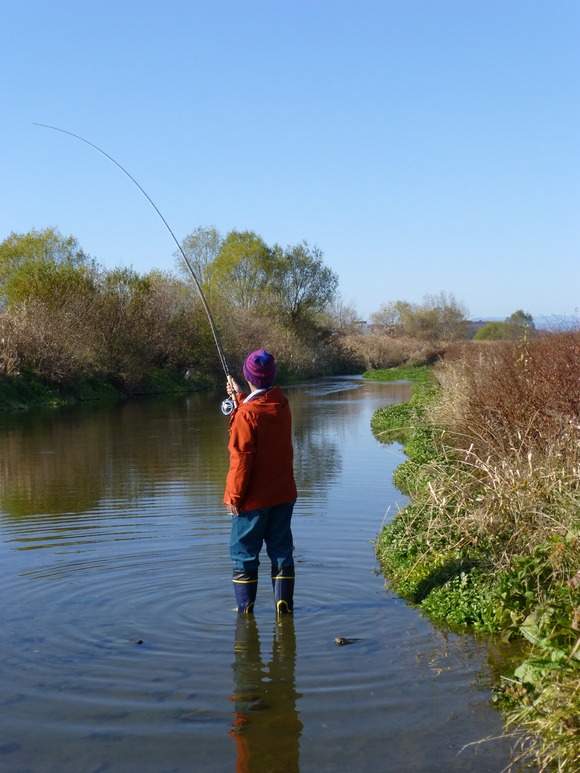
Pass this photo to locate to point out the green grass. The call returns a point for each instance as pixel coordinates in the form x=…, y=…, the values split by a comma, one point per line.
x=420, y=374
x=25, y=391
x=28, y=391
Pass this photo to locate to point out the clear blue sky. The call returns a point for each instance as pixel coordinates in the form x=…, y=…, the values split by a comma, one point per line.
x=423, y=145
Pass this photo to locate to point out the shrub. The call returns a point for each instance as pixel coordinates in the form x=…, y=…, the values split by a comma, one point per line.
x=9, y=356
x=371, y=351
x=50, y=342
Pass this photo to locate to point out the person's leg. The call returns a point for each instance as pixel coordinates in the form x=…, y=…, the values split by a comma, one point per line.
x=247, y=538
x=280, y=548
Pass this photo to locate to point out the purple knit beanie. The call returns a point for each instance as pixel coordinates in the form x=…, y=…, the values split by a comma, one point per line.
x=260, y=369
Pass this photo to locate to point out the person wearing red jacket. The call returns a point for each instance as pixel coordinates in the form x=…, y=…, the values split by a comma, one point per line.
x=260, y=487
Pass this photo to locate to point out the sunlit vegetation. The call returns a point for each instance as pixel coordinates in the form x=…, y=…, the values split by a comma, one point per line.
x=65, y=320
x=69, y=327
x=491, y=538
x=403, y=333
x=440, y=318
x=517, y=325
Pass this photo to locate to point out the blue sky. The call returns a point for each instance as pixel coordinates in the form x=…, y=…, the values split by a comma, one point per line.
x=423, y=145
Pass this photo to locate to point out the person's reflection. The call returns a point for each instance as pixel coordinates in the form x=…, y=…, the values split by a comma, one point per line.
x=266, y=727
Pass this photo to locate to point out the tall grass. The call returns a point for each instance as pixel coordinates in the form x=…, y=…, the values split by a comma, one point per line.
x=512, y=411
x=492, y=537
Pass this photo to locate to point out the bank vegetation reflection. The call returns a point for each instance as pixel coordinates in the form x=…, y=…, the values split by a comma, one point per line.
x=71, y=461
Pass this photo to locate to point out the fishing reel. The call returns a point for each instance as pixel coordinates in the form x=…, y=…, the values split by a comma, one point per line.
x=228, y=406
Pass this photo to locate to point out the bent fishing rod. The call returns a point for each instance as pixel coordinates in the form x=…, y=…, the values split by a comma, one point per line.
x=228, y=404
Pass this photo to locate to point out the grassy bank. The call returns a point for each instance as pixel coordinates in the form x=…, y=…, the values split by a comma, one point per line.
x=490, y=541
x=29, y=391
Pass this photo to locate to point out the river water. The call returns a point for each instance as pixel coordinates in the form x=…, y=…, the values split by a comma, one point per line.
x=120, y=647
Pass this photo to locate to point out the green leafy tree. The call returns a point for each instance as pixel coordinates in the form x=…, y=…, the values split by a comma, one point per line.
x=493, y=331
x=302, y=286
x=42, y=265
x=44, y=244
x=51, y=283
x=48, y=287
x=241, y=272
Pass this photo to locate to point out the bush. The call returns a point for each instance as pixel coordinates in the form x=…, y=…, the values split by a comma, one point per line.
x=372, y=351
x=501, y=398
x=50, y=343
x=9, y=356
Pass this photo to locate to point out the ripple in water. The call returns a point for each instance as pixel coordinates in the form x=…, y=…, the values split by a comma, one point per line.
x=120, y=647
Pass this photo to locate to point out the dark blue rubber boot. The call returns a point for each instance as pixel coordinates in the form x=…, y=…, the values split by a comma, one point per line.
x=283, y=584
x=245, y=588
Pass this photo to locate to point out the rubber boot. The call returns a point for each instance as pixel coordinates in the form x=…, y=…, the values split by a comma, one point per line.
x=245, y=588
x=283, y=584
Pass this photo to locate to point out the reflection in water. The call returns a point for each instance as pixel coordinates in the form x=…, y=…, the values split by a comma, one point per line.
x=117, y=620
x=266, y=727
x=69, y=460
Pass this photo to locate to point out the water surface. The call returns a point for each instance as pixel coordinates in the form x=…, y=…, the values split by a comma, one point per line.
x=120, y=647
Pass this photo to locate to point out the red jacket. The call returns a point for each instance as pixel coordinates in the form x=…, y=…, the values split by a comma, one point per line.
x=261, y=454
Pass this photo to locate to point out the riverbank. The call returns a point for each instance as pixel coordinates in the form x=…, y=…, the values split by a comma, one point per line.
x=490, y=540
x=26, y=390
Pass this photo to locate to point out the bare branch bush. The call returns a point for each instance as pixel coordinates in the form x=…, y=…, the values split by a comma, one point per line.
x=9, y=356
x=375, y=351
x=50, y=342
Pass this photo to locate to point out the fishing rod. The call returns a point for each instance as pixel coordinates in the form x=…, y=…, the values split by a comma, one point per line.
x=228, y=404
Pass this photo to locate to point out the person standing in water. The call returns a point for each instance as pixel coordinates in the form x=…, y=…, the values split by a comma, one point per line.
x=260, y=487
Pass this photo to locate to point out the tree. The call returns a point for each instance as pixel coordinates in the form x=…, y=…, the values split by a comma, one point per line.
x=201, y=248
x=449, y=315
x=48, y=285
x=41, y=264
x=302, y=286
x=393, y=317
x=241, y=272
x=176, y=325
x=343, y=317
x=439, y=318
x=493, y=331
x=517, y=325
x=42, y=245
x=521, y=322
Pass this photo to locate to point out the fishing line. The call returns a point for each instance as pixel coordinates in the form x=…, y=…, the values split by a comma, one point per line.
x=228, y=405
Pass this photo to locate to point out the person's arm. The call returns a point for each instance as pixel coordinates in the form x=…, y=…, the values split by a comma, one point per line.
x=242, y=447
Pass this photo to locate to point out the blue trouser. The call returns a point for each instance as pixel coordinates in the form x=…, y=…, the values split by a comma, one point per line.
x=250, y=530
